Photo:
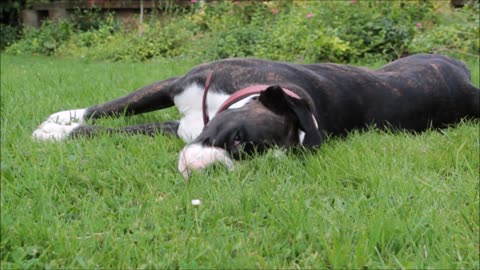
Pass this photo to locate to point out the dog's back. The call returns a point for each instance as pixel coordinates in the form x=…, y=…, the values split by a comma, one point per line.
x=412, y=93
x=437, y=76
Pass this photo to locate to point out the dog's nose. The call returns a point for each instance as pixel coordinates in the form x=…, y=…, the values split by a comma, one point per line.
x=198, y=157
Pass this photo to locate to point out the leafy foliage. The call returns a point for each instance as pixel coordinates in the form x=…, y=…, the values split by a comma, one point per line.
x=304, y=31
x=459, y=33
x=8, y=35
x=157, y=40
x=44, y=40
x=92, y=19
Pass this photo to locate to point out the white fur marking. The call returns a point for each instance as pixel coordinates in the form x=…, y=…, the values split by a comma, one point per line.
x=301, y=133
x=315, y=121
x=189, y=104
x=67, y=117
x=243, y=101
x=53, y=131
x=301, y=136
x=59, y=125
x=197, y=157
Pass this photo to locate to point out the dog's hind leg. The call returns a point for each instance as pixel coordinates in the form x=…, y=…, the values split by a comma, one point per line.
x=149, y=98
x=166, y=128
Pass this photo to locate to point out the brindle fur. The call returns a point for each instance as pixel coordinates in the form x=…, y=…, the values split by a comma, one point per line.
x=412, y=93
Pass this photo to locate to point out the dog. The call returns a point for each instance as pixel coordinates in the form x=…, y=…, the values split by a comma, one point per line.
x=236, y=107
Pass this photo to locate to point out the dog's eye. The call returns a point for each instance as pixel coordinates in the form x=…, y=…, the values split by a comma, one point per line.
x=236, y=141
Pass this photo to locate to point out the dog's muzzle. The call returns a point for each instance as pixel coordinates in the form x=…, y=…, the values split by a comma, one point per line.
x=198, y=157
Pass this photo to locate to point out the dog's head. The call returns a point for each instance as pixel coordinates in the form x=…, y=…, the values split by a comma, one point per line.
x=272, y=119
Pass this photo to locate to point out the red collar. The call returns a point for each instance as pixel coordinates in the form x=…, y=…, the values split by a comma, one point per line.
x=237, y=96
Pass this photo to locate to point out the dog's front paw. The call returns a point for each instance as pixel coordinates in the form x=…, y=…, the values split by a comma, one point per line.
x=59, y=125
x=198, y=157
x=67, y=117
x=49, y=131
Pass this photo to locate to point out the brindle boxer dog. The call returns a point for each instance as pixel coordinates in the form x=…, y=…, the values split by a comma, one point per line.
x=256, y=104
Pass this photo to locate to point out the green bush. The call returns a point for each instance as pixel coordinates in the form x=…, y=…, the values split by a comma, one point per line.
x=458, y=33
x=44, y=40
x=302, y=31
x=8, y=35
x=157, y=40
x=234, y=36
x=297, y=34
x=92, y=19
x=383, y=29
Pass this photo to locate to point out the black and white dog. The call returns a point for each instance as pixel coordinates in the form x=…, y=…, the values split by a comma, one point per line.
x=242, y=106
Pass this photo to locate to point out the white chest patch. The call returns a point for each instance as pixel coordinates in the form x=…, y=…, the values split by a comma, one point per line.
x=189, y=104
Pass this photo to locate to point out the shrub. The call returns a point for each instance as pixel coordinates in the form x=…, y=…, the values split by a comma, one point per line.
x=92, y=19
x=305, y=31
x=378, y=28
x=455, y=31
x=8, y=35
x=44, y=40
x=296, y=34
x=157, y=40
x=232, y=29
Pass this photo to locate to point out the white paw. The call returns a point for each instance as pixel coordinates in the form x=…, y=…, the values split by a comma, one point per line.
x=67, y=117
x=198, y=157
x=59, y=125
x=53, y=131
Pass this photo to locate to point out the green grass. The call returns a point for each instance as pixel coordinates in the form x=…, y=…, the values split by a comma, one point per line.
x=373, y=199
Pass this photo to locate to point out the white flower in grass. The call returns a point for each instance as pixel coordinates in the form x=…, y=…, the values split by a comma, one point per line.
x=196, y=202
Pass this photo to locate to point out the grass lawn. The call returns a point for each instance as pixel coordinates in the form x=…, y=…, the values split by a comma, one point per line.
x=373, y=199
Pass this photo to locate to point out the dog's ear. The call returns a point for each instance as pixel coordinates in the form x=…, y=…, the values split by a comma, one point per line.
x=276, y=100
